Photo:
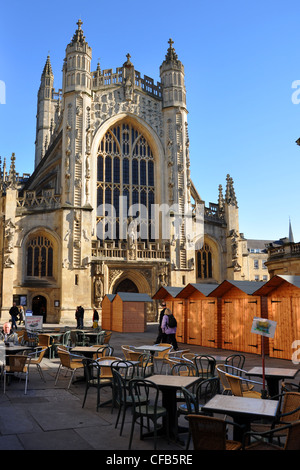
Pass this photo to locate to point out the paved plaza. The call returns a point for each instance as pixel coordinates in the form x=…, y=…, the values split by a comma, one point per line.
x=51, y=417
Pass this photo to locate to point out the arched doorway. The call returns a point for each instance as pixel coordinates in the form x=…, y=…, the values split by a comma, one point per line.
x=126, y=286
x=39, y=306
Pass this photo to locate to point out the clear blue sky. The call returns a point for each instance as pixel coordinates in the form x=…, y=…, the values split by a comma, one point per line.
x=240, y=58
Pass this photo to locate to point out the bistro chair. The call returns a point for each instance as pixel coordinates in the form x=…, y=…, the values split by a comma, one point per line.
x=189, y=356
x=69, y=362
x=194, y=400
x=235, y=360
x=209, y=433
x=162, y=356
x=95, y=379
x=125, y=349
x=184, y=368
x=144, y=395
x=223, y=369
x=290, y=387
x=236, y=385
x=121, y=397
x=263, y=440
x=145, y=366
x=35, y=358
x=205, y=366
x=64, y=340
x=103, y=351
x=17, y=365
x=107, y=337
x=289, y=412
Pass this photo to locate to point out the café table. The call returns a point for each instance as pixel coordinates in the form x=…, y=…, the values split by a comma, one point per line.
x=151, y=347
x=169, y=384
x=273, y=376
x=243, y=410
x=87, y=351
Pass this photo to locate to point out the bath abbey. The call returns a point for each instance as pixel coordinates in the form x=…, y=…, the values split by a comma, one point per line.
x=111, y=205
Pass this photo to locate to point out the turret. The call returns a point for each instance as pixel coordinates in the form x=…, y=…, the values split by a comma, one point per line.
x=45, y=112
x=77, y=66
x=172, y=79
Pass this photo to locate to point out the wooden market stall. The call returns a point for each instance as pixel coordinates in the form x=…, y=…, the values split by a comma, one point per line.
x=202, y=326
x=107, y=311
x=171, y=295
x=283, y=306
x=237, y=307
x=129, y=312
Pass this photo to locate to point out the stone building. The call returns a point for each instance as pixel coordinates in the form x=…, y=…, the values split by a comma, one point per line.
x=111, y=146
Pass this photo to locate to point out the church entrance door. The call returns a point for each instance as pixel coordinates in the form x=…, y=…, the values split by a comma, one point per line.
x=126, y=286
x=39, y=306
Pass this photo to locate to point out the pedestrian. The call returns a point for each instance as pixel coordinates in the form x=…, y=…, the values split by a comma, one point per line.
x=169, y=327
x=161, y=338
x=95, y=318
x=21, y=315
x=79, y=317
x=14, y=313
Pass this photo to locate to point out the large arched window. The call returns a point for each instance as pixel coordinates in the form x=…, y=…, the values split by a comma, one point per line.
x=39, y=257
x=125, y=169
x=204, y=262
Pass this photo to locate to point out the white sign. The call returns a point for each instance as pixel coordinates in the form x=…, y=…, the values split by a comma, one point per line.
x=263, y=327
x=34, y=322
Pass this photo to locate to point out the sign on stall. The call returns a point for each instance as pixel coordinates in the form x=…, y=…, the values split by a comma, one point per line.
x=263, y=327
x=34, y=322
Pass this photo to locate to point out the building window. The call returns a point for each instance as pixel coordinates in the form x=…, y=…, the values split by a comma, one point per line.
x=256, y=264
x=204, y=262
x=40, y=257
x=125, y=169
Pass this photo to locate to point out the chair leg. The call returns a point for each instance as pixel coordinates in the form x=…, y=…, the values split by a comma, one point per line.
x=57, y=374
x=131, y=432
x=41, y=372
x=71, y=379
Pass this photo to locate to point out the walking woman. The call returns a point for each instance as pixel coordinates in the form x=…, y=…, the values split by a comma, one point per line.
x=169, y=327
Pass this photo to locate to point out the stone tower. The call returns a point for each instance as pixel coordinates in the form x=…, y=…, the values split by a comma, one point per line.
x=177, y=159
x=45, y=112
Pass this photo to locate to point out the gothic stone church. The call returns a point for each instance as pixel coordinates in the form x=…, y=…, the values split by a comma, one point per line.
x=109, y=139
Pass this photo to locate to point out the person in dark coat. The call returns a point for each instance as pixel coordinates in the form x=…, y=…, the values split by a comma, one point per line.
x=14, y=313
x=161, y=338
x=79, y=316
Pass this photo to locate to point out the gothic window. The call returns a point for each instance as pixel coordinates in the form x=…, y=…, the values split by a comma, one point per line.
x=204, y=262
x=40, y=257
x=125, y=169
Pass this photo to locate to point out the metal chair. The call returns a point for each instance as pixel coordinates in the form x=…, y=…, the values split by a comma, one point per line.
x=209, y=433
x=145, y=394
x=236, y=382
x=223, y=369
x=263, y=440
x=94, y=378
x=70, y=362
x=35, y=358
x=205, y=366
x=236, y=360
x=17, y=365
x=161, y=356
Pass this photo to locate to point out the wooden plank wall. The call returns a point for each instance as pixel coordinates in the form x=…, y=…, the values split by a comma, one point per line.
x=237, y=312
x=106, y=314
x=284, y=308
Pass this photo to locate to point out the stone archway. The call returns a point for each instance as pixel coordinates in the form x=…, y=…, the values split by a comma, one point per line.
x=126, y=285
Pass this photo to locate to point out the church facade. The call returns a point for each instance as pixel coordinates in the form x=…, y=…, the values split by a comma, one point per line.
x=111, y=205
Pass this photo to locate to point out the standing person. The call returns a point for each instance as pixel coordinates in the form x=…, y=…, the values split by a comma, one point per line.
x=169, y=327
x=21, y=315
x=80, y=314
x=161, y=338
x=95, y=318
x=14, y=312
